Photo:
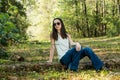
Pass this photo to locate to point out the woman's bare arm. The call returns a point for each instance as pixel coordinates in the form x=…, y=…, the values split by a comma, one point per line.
x=78, y=46
x=52, y=49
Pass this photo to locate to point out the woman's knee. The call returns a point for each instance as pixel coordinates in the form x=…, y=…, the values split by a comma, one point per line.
x=87, y=48
x=87, y=51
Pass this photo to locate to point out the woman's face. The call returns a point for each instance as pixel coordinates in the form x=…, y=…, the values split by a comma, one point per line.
x=57, y=24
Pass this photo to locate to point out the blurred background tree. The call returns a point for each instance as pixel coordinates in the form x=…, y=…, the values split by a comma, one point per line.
x=91, y=18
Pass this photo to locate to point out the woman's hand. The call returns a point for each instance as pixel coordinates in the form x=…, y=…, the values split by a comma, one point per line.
x=78, y=47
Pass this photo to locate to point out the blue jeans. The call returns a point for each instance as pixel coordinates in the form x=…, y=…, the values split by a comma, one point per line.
x=72, y=57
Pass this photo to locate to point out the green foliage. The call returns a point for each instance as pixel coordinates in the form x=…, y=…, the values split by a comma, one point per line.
x=8, y=30
x=113, y=24
x=12, y=21
x=112, y=30
x=13, y=10
x=3, y=54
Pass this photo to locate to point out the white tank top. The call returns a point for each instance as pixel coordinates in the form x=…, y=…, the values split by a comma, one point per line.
x=62, y=46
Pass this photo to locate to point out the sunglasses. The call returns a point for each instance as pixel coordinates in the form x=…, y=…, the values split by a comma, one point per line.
x=58, y=23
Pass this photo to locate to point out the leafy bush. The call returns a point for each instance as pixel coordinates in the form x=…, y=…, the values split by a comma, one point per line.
x=13, y=22
x=113, y=27
x=3, y=54
x=7, y=28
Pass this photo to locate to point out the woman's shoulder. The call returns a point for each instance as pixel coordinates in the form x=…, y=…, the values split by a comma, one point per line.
x=68, y=35
x=50, y=35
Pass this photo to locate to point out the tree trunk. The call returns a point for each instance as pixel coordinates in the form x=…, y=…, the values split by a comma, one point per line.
x=103, y=15
x=41, y=66
x=113, y=9
x=76, y=15
x=96, y=20
x=118, y=5
x=86, y=19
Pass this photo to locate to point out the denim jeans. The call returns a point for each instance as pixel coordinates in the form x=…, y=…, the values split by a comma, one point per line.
x=72, y=57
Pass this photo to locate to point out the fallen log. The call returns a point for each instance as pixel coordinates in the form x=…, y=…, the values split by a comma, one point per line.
x=40, y=66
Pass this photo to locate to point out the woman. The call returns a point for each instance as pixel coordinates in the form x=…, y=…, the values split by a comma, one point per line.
x=69, y=57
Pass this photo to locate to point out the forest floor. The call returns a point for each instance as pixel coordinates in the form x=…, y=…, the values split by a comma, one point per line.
x=34, y=67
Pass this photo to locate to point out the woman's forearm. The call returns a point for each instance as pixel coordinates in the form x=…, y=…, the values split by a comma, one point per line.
x=73, y=43
x=52, y=49
x=77, y=45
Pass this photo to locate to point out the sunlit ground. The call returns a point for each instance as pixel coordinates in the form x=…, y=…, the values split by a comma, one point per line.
x=105, y=48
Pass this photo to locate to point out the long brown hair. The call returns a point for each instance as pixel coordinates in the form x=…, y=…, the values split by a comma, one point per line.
x=63, y=32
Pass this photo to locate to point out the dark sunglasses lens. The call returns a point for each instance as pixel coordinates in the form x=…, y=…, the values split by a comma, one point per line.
x=56, y=24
